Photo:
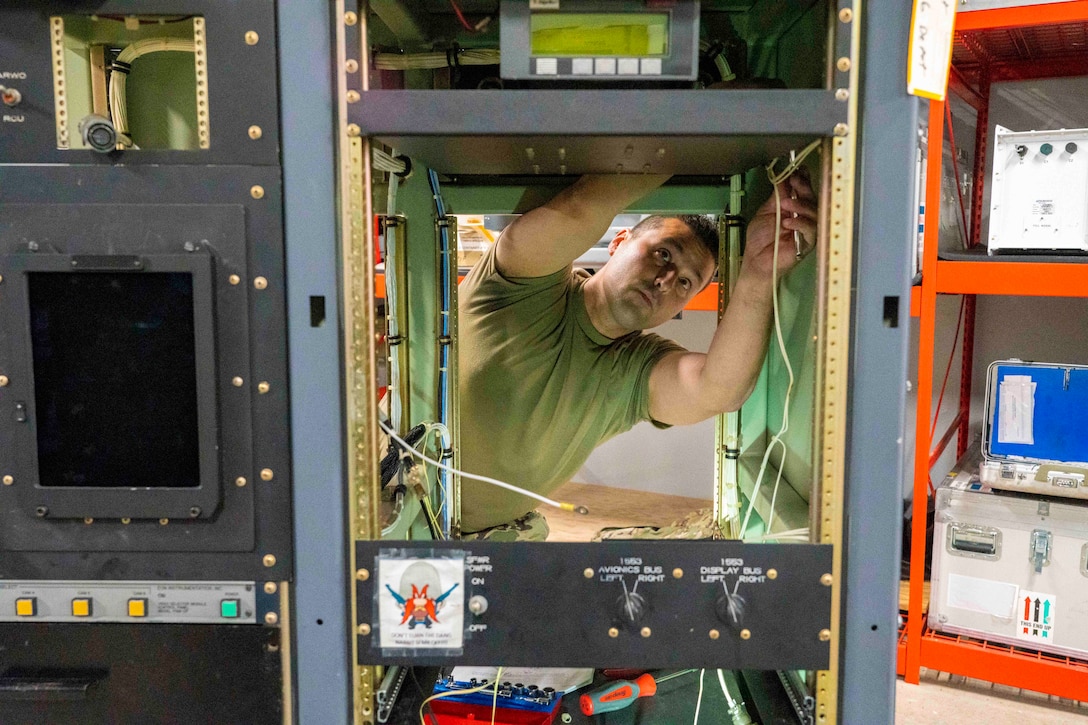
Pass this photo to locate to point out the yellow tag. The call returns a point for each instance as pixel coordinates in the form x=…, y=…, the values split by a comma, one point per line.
x=931, y=31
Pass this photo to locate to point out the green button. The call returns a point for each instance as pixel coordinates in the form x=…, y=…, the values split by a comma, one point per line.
x=229, y=608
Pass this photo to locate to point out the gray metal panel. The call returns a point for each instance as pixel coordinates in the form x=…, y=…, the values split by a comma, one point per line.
x=598, y=113
x=886, y=227
x=322, y=633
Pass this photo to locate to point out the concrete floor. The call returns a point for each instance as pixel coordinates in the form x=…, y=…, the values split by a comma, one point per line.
x=943, y=699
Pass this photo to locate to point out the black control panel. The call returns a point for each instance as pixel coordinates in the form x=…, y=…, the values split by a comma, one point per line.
x=649, y=604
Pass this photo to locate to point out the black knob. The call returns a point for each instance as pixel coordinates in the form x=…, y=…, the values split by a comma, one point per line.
x=1070, y=148
x=631, y=608
x=1021, y=150
x=730, y=610
x=98, y=133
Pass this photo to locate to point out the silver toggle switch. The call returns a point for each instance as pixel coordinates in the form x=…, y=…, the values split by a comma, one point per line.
x=477, y=604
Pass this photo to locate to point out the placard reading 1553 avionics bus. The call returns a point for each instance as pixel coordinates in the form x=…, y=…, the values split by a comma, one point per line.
x=605, y=40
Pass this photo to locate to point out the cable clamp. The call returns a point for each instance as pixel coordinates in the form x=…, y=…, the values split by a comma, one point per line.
x=119, y=66
x=451, y=57
x=395, y=339
x=445, y=339
x=735, y=220
x=447, y=454
x=442, y=222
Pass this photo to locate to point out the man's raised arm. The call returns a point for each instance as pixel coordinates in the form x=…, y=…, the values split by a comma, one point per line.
x=553, y=235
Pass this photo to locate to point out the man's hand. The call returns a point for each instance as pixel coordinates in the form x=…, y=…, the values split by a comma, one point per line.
x=798, y=214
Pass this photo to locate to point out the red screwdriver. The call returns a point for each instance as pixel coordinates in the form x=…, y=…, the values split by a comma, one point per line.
x=621, y=693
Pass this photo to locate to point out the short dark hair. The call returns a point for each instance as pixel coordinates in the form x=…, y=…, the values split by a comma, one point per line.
x=700, y=225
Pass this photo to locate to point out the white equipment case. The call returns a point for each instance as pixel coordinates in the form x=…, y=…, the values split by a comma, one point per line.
x=1039, y=192
x=1010, y=568
x=1035, y=428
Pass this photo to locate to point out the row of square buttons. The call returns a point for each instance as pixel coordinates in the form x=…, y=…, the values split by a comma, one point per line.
x=602, y=66
x=82, y=607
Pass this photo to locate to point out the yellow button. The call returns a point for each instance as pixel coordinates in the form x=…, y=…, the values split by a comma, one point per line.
x=137, y=607
x=27, y=607
x=81, y=607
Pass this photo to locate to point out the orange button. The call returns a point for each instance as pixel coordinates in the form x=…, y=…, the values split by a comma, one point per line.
x=137, y=607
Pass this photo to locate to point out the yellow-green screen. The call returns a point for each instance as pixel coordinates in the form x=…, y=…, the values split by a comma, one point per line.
x=595, y=34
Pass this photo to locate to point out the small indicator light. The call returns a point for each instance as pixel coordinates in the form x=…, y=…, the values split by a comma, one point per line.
x=81, y=607
x=26, y=607
x=1046, y=149
x=1070, y=148
x=228, y=608
x=137, y=607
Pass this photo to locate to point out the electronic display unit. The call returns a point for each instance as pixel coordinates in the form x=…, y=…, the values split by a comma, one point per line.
x=117, y=411
x=603, y=40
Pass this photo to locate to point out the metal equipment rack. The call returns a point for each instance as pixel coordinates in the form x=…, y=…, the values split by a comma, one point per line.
x=1018, y=43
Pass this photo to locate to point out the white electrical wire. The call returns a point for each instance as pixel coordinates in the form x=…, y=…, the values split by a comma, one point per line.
x=482, y=479
x=436, y=59
x=776, y=179
x=389, y=163
x=699, y=702
x=725, y=691
x=391, y=302
x=118, y=79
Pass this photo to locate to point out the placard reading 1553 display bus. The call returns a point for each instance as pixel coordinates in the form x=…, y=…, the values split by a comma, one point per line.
x=604, y=40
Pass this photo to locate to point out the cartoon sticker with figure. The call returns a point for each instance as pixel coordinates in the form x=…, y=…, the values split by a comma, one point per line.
x=421, y=603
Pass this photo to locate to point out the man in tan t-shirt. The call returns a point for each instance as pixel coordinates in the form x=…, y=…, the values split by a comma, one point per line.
x=554, y=362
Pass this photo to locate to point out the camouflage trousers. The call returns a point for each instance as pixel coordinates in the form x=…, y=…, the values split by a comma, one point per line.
x=530, y=527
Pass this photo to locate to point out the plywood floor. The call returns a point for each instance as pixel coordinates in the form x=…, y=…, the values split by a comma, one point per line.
x=940, y=698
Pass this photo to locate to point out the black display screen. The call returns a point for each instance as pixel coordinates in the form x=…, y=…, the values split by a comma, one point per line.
x=115, y=381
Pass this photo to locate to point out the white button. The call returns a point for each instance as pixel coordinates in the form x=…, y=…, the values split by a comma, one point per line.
x=547, y=66
x=651, y=66
x=628, y=66
x=604, y=66
x=582, y=66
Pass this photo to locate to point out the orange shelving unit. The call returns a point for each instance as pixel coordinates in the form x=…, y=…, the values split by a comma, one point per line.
x=1037, y=41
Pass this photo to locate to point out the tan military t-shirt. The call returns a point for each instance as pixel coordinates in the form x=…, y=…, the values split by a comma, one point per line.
x=540, y=387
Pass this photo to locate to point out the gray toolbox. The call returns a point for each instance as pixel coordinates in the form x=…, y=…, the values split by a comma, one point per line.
x=1035, y=428
x=1009, y=567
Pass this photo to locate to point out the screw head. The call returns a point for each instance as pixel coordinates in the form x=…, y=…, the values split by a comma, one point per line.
x=827, y=580
x=41, y=511
x=678, y=573
x=255, y=132
x=267, y=474
x=271, y=618
x=353, y=96
x=825, y=635
x=842, y=94
x=270, y=587
x=350, y=18
x=645, y=632
x=8, y=480
x=841, y=129
x=252, y=37
x=194, y=512
x=362, y=574
x=843, y=64
x=269, y=560
x=240, y=481
x=354, y=130
x=236, y=381
x=746, y=634
x=256, y=191
x=88, y=520
x=163, y=522
x=263, y=387
x=613, y=632
x=3, y=381
x=846, y=15
x=352, y=66
x=234, y=279
x=772, y=573
x=260, y=283
x=363, y=629
x=588, y=573
x=714, y=634
x=126, y=521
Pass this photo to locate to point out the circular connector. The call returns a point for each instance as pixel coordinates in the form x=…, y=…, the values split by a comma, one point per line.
x=98, y=133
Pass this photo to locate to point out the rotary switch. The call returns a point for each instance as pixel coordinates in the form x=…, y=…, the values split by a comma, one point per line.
x=730, y=610
x=631, y=608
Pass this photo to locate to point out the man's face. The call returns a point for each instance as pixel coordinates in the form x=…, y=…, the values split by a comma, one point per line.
x=653, y=273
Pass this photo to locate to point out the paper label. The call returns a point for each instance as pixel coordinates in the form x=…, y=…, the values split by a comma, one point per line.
x=1036, y=614
x=930, y=59
x=1016, y=417
x=987, y=596
x=421, y=603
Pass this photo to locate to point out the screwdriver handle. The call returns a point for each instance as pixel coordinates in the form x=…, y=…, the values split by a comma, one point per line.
x=617, y=695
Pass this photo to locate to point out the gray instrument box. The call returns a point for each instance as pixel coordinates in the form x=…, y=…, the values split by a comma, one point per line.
x=1008, y=567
